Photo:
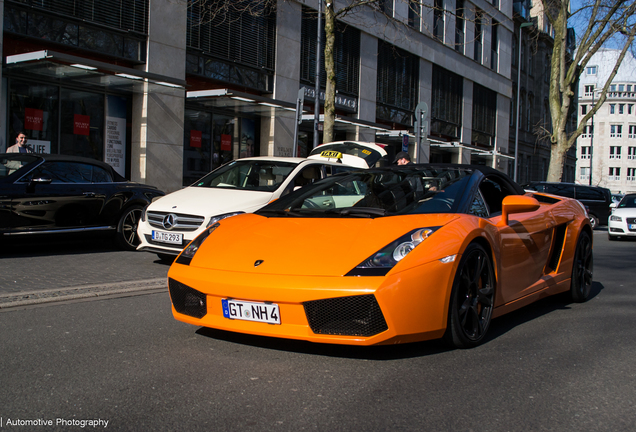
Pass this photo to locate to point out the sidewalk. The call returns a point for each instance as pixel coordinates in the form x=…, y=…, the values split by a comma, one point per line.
x=40, y=272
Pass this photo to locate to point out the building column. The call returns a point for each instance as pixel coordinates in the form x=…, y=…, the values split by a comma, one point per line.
x=502, y=136
x=467, y=114
x=158, y=116
x=277, y=132
x=3, y=96
x=368, y=85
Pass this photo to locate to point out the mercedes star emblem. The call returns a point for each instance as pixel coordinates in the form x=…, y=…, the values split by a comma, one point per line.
x=169, y=220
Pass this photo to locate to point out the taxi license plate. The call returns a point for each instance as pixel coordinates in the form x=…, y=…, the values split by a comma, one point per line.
x=632, y=226
x=164, y=237
x=250, y=311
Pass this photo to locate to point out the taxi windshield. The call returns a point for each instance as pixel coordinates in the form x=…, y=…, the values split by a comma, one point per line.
x=253, y=175
x=374, y=193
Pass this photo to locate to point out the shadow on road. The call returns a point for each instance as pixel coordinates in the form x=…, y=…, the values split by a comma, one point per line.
x=498, y=327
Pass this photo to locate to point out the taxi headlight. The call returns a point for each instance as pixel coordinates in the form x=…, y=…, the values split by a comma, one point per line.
x=185, y=257
x=386, y=258
x=615, y=218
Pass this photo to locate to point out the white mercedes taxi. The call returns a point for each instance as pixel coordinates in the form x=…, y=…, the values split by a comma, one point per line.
x=242, y=186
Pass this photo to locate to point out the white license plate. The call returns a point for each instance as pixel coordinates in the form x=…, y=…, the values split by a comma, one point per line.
x=632, y=226
x=249, y=311
x=164, y=237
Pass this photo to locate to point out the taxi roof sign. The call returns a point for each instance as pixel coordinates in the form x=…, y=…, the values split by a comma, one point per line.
x=331, y=154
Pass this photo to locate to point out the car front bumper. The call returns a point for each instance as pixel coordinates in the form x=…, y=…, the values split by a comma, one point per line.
x=413, y=304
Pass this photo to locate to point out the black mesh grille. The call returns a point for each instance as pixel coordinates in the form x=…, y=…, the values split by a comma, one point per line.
x=351, y=316
x=186, y=300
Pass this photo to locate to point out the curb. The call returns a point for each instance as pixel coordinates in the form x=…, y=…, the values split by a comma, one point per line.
x=80, y=292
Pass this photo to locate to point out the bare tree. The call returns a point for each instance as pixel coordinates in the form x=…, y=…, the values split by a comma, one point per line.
x=609, y=23
x=332, y=14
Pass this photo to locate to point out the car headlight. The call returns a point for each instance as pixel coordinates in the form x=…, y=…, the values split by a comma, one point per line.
x=191, y=249
x=386, y=258
x=615, y=218
x=215, y=219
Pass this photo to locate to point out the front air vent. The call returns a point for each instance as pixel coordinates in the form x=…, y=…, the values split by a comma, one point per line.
x=186, y=300
x=350, y=316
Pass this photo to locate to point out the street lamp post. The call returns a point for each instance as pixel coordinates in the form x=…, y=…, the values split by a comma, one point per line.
x=592, y=140
x=526, y=24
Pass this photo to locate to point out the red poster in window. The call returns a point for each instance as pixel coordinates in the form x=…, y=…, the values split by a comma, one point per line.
x=33, y=119
x=226, y=142
x=81, y=124
x=195, y=138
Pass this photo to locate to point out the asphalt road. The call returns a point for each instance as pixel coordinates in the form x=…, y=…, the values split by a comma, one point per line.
x=553, y=366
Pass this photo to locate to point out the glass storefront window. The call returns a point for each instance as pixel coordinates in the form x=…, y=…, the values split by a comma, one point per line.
x=223, y=149
x=33, y=109
x=82, y=124
x=211, y=140
x=197, y=155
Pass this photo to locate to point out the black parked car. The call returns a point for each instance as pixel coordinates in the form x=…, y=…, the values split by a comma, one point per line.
x=597, y=199
x=45, y=194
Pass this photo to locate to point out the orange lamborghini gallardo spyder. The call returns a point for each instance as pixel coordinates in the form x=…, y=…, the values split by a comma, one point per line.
x=384, y=256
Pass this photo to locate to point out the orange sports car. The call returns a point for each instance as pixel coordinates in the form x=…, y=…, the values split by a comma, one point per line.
x=385, y=256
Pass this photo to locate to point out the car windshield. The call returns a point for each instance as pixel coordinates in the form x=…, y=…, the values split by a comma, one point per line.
x=253, y=175
x=376, y=192
x=628, y=201
x=369, y=155
x=10, y=163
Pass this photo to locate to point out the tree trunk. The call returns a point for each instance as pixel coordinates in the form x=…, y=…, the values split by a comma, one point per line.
x=330, y=70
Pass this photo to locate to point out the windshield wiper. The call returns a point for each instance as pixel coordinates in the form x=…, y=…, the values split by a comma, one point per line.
x=359, y=211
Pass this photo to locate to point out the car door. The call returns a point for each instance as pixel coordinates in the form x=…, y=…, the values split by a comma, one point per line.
x=56, y=195
x=525, y=243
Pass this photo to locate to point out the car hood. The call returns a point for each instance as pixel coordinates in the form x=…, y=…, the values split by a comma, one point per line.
x=304, y=246
x=210, y=201
x=624, y=212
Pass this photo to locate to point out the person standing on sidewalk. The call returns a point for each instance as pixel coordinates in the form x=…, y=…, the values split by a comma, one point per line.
x=20, y=145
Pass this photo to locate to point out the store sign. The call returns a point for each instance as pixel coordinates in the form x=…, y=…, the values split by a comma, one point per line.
x=33, y=119
x=346, y=103
x=115, y=141
x=81, y=124
x=226, y=142
x=195, y=138
x=115, y=152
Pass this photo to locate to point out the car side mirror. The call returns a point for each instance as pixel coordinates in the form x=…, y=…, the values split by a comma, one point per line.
x=613, y=205
x=517, y=204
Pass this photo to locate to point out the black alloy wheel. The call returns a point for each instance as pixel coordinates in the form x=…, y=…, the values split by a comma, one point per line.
x=472, y=299
x=582, y=269
x=127, y=228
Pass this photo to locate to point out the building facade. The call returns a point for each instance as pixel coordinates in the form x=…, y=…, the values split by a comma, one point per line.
x=166, y=92
x=607, y=149
x=532, y=50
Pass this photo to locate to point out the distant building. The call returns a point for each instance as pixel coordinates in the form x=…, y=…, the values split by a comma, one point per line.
x=167, y=93
x=608, y=144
